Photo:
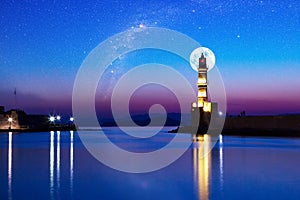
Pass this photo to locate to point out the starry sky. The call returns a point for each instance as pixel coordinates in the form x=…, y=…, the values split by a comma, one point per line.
x=256, y=44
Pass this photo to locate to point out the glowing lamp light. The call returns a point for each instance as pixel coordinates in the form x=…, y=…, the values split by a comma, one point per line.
x=202, y=93
x=201, y=81
x=207, y=107
x=51, y=119
x=220, y=113
x=10, y=119
x=71, y=119
x=58, y=117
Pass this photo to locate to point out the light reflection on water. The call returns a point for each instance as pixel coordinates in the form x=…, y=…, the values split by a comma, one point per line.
x=71, y=160
x=202, y=165
x=9, y=168
x=58, y=160
x=249, y=164
x=56, y=189
x=52, y=164
x=221, y=161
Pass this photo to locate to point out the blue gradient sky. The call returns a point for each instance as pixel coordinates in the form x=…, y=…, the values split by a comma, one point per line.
x=256, y=43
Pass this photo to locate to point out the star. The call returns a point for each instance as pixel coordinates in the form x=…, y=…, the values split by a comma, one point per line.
x=142, y=25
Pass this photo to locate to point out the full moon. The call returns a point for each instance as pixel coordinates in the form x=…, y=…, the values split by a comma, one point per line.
x=208, y=54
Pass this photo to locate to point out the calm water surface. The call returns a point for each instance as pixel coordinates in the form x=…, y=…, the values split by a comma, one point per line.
x=56, y=165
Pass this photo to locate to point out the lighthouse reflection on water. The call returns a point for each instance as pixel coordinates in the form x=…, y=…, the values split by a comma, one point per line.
x=202, y=164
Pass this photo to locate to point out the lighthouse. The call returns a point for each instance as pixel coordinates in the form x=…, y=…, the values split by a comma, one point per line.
x=202, y=107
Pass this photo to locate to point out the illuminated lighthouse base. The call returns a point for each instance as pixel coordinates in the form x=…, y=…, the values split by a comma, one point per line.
x=201, y=115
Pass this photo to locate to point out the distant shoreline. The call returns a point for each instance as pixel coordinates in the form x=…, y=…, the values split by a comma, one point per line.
x=248, y=132
x=227, y=132
x=261, y=132
x=267, y=126
x=48, y=129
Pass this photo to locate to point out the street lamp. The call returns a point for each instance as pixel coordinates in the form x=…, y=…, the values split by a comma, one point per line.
x=51, y=119
x=72, y=119
x=58, y=117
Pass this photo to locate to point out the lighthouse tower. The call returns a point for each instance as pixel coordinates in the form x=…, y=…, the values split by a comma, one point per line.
x=202, y=84
x=202, y=108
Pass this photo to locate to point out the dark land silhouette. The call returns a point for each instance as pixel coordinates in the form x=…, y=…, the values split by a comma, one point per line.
x=287, y=125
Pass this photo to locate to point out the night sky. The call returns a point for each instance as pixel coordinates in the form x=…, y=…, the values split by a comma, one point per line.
x=256, y=44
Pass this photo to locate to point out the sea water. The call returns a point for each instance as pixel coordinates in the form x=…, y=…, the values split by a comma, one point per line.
x=56, y=165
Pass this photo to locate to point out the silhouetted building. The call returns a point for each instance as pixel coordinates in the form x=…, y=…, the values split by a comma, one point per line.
x=1, y=110
x=18, y=119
